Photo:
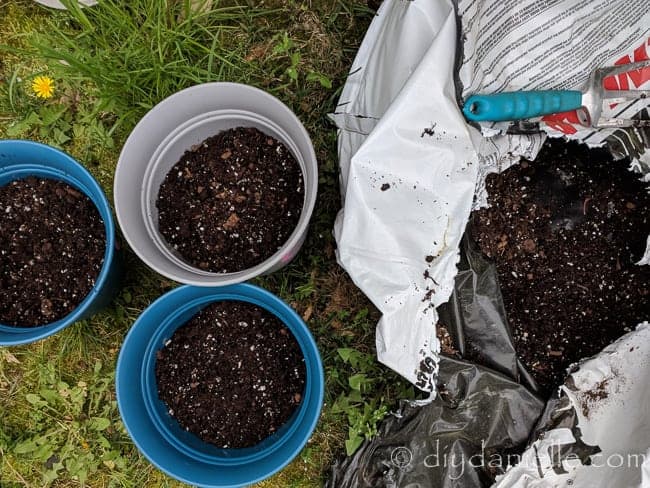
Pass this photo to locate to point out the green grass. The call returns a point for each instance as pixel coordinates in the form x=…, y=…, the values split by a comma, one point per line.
x=59, y=422
x=137, y=53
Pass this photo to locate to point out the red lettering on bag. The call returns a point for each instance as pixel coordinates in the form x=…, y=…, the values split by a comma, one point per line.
x=563, y=121
x=637, y=77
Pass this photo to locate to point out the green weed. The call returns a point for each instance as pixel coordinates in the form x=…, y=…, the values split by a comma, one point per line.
x=72, y=425
x=286, y=48
x=367, y=391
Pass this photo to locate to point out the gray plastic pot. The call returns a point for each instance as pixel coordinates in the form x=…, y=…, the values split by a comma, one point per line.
x=174, y=126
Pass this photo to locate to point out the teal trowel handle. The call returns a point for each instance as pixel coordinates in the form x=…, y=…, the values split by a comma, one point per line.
x=520, y=105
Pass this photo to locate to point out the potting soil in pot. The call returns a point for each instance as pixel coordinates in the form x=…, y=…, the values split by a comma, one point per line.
x=232, y=375
x=231, y=201
x=52, y=244
x=566, y=232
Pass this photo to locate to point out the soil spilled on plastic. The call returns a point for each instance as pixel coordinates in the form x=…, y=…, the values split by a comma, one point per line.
x=231, y=201
x=566, y=232
x=232, y=375
x=52, y=244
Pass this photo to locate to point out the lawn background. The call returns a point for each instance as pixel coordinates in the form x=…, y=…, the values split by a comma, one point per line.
x=59, y=423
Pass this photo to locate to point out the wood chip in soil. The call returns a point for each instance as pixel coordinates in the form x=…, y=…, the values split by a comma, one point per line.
x=566, y=232
x=52, y=244
x=232, y=201
x=232, y=375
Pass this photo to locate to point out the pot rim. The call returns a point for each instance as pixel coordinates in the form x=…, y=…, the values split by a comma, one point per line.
x=130, y=220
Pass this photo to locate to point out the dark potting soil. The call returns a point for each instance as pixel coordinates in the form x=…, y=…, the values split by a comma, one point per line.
x=232, y=375
x=565, y=232
x=52, y=244
x=232, y=201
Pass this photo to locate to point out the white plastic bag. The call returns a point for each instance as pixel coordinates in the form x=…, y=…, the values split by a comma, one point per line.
x=408, y=170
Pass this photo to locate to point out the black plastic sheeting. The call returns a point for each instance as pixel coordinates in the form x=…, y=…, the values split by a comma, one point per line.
x=462, y=439
x=476, y=318
x=483, y=415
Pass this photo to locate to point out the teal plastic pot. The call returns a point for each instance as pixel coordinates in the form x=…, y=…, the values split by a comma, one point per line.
x=20, y=159
x=162, y=440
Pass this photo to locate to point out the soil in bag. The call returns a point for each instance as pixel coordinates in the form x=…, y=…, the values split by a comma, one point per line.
x=52, y=244
x=232, y=375
x=231, y=201
x=565, y=232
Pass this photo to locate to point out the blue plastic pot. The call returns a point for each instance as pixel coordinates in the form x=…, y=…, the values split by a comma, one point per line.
x=20, y=159
x=162, y=440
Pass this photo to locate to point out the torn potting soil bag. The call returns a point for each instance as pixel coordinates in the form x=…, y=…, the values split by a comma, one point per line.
x=408, y=173
x=487, y=408
x=484, y=412
x=593, y=433
x=412, y=169
x=596, y=433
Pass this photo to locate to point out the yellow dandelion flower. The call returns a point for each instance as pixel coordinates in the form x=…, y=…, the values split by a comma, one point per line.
x=43, y=86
